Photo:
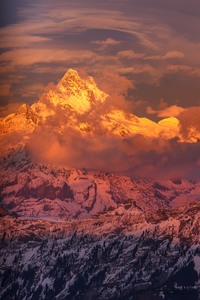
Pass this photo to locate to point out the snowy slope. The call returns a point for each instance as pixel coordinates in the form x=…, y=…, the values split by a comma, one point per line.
x=37, y=190
x=116, y=255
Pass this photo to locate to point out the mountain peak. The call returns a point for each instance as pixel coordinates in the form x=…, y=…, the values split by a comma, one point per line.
x=26, y=112
x=72, y=72
x=70, y=75
x=71, y=83
x=75, y=93
x=24, y=109
x=24, y=120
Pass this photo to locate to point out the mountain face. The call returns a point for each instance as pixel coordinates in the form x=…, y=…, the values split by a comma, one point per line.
x=83, y=105
x=36, y=190
x=24, y=121
x=74, y=233
x=71, y=93
x=121, y=254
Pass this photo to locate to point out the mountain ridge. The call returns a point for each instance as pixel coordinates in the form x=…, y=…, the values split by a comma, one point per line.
x=83, y=233
x=75, y=99
x=36, y=190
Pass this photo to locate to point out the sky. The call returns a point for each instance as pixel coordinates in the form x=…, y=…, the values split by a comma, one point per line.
x=146, y=50
x=143, y=51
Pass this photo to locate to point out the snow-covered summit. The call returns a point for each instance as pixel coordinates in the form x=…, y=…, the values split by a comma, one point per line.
x=73, y=99
x=74, y=93
x=23, y=121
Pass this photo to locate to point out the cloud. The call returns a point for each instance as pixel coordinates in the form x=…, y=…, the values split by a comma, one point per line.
x=129, y=54
x=98, y=149
x=173, y=54
x=114, y=84
x=27, y=57
x=167, y=56
x=11, y=40
x=104, y=44
x=4, y=89
x=190, y=121
x=138, y=69
x=171, y=111
x=188, y=70
x=50, y=37
x=33, y=90
x=137, y=156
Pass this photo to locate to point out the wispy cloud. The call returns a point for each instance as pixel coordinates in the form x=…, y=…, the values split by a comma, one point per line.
x=103, y=44
x=130, y=54
x=4, y=89
x=27, y=57
x=190, y=71
x=171, y=111
x=167, y=56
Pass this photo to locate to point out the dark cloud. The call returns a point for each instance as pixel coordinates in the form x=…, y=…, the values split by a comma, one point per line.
x=182, y=16
x=9, y=11
x=190, y=121
x=176, y=89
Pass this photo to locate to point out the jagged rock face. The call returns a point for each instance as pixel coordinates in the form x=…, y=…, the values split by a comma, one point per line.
x=45, y=190
x=3, y=212
x=28, y=188
x=72, y=93
x=27, y=112
x=23, y=121
x=72, y=85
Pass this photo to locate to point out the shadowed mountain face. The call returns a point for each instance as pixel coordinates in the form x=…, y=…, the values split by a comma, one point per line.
x=116, y=255
x=70, y=228
x=36, y=190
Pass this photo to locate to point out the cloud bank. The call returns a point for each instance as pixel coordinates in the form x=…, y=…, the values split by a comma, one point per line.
x=138, y=156
x=98, y=149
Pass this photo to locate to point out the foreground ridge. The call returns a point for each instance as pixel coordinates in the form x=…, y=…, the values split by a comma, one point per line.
x=89, y=258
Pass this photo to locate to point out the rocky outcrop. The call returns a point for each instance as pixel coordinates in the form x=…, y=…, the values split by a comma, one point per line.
x=65, y=192
x=3, y=212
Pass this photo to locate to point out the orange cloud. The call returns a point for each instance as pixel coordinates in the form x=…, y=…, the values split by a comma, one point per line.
x=137, y=69
x=188, y=70
x=136, y=156
x=168, y=55
x=103, y=44
x=129, y=54
x=171, y=111
x=27, y=57
x=139, y=155
x=19, y=41
x=173, y=54
x=114, y=84
x=5, y=89
x=190, y=122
